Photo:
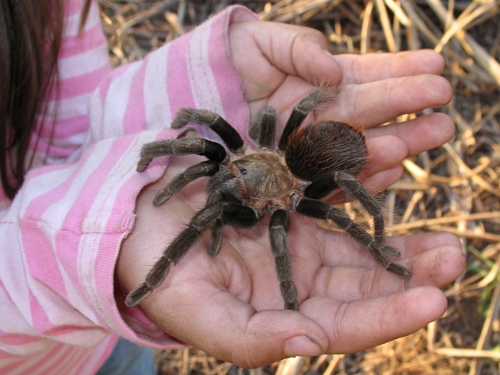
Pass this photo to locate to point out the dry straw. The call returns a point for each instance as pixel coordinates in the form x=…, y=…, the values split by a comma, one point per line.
x=455, y=188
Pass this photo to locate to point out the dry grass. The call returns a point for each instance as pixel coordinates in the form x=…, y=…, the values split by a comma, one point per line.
x=455, y=188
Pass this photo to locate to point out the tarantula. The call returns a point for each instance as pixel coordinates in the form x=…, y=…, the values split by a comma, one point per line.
x=308, y=163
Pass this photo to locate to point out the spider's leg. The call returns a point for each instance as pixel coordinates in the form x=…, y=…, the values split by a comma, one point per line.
x=300, y=112
x=278, y=227
x=233, y=213
x=353, y=187
x=215, y=122
x=321, y=187
x=349, y=184
x=263, y=131
x=239, y=215
x=205, y=168
x=216, y=240
x=183, y=146
x=215, y=198
x=202, y=221
x=321, y=210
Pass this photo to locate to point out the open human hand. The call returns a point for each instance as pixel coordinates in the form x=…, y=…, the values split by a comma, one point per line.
x=279, y=64
x=230, y=305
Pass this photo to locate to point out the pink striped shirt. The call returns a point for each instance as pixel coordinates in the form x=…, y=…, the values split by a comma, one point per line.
x=63, y=231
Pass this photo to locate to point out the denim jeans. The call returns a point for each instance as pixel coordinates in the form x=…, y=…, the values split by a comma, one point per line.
x=129, y=359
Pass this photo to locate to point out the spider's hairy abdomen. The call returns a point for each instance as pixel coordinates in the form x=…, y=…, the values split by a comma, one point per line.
x=325, y=147
x=264, y=175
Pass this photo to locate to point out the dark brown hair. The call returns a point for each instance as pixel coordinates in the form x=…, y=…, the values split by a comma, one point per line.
x=30, y=40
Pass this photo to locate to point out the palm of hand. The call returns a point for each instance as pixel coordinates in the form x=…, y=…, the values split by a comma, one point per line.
x=230, y=305
x=238, y=289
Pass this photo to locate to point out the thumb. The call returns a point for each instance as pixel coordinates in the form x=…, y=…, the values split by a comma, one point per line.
x=272, y=335
x=293, y=50
x=311, y=59
x=231, y=330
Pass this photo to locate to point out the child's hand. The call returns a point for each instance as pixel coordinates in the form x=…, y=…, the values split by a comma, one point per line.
x=230, y=306
x=279, y=64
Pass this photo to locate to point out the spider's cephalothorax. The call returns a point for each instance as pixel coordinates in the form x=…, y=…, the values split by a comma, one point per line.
x=307, y=164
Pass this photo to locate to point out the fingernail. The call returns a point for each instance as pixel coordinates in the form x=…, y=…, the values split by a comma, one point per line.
x=301, y=346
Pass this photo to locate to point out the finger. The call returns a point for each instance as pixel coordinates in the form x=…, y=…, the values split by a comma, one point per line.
x=418, y=243
x=297, y=51
x=375, y=103
x=231, y=330
x=389, y=145
x=341, y=252
x=384, y=152
x=311, y=61
x=374, y=67
x=382, y=180
x=361, y=324
x=268, y=54
x=421, y=134
x=436, y=265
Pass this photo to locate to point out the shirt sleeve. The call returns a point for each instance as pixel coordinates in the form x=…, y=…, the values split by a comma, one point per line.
x=62, y=233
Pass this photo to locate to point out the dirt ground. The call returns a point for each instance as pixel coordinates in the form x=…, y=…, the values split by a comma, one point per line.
x=454, y=188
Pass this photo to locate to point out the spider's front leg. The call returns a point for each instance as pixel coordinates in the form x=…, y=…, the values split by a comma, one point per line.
x=205, y=168
x=215, y=122
x=301, y=110
x=183, y=146
x=263, y=131
x=321, y=210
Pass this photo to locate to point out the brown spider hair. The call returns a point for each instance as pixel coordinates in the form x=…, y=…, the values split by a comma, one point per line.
x=30, y=40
